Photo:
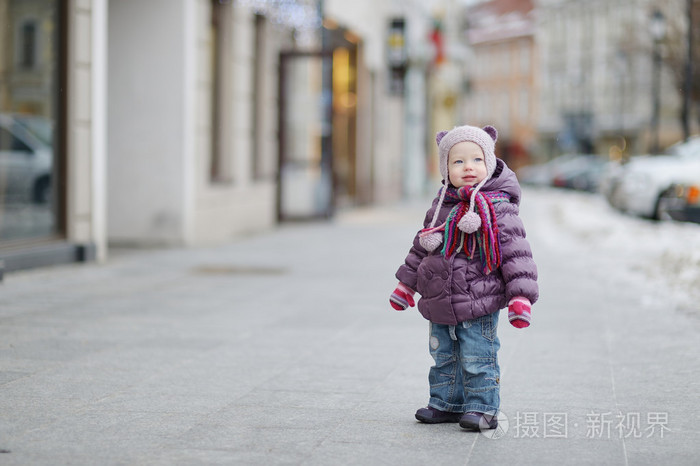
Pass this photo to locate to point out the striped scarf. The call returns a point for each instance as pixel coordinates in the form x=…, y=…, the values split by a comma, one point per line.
x=485, y=238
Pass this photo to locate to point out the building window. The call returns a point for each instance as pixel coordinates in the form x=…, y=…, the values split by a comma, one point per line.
x=502, y=112
x=524, y=48
x=30, y=109
x=524, y=105
x=215, y=60
x=486, y=63
x=219, y=43
x=481, y=99
x=259, y=99
x=27, y=45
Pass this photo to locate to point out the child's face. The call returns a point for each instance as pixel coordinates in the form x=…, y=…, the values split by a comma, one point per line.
x=466, y=165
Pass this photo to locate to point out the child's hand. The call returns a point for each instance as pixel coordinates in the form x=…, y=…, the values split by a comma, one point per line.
x=519, y=312
x=402, y=297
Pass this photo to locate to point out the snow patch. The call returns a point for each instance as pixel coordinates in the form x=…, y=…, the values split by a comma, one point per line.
x=661, y=259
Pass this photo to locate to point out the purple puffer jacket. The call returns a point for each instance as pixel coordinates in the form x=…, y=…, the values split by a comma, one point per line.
x=456, y=289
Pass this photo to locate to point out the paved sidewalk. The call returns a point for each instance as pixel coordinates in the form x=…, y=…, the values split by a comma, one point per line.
x=282, y=349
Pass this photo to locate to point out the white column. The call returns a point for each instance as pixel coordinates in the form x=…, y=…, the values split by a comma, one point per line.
x=99, y=126
x=189, y=123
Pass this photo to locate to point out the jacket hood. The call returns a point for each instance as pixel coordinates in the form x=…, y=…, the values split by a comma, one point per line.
x=504, y=179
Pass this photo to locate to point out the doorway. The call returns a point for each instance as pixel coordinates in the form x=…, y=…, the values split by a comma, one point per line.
x=305, y=177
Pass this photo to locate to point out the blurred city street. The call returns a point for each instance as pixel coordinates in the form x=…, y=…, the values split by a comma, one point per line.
x=281, y=348
x=200, y=227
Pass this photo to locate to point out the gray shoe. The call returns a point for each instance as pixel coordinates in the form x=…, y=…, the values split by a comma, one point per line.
x=435, y=416
x=478, y=421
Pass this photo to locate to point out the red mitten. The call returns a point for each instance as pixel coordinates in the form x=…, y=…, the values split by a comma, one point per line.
x=519, y=312
x=402, y=297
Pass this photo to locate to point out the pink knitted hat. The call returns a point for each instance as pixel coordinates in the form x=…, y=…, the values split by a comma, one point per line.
x=484, y=138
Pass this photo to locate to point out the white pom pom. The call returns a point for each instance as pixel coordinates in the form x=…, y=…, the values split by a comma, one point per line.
x=470, y=222
x=430, y=242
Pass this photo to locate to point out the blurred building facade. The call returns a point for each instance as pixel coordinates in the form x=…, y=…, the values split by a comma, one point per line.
x=503, y=75
x=164, y=116
x=188, y=122
x=192, y=120
x=410, y=79
x=52, y=153
x=597, y=76
x=576, y=76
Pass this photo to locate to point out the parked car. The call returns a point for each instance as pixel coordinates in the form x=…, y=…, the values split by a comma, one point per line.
x=544, y=174
x=574, y=171
x=681, y=202
x=638, y=186
x=582, y=173
x=541, y=174
x=26, y=158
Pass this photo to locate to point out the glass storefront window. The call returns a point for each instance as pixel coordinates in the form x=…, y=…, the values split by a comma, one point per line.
x=29, y=64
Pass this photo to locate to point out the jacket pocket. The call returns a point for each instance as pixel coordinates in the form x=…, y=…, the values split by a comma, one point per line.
x=489, y=327
x=431, y=281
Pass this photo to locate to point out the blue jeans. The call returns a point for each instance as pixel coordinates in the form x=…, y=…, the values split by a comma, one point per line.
x=466, y=375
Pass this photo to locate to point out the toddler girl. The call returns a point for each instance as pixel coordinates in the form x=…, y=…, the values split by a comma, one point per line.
x=470, y=260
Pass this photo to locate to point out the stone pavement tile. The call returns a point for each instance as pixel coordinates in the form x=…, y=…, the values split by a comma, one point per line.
x=7, y=376
x=656, y=450
x=677, y=423
x=399, y=411
x=358, y=359
x=104, y=373
x=401, y=440
x=184, y=456
x=243, y=418
x=19, y=414
x=644, y=385
x=407, y=383
x=301, y=398
x=59, y=384
x=87, y=437
x=15, y=366
x=138, y=400
x=39, y=454
x=318, y=378
x=52, y=348
x=145, y=356
x=538, y=451
x=442, y=449
x=292, y=433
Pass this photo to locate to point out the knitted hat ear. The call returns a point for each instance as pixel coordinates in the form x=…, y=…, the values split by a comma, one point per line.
x=439, y=136
x=491, y=131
